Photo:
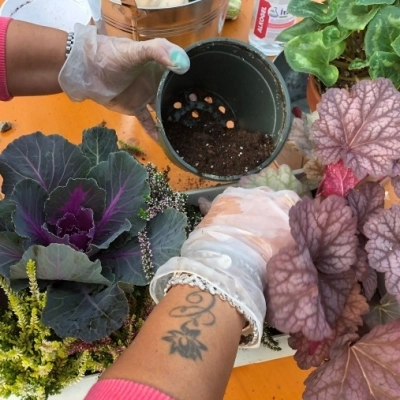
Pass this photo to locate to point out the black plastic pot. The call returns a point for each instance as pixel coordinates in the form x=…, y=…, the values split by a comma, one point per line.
x=248, y=83
x=296, y=83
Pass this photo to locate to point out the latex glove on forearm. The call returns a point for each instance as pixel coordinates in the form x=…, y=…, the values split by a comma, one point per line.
x=231, y=247
x=119, y=73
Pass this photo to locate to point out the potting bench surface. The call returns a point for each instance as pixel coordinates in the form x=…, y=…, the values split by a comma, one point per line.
x=279, y=379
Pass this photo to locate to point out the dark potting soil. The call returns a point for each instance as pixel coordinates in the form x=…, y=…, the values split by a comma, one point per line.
x=203, y=131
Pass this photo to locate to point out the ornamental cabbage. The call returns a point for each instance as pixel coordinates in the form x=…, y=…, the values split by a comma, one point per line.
x=88, y=217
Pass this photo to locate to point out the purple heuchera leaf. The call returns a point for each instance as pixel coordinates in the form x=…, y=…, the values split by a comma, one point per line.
x=312, y=354
x=327, y=229
x=366, y=370
x=365, y=201
x=395, y=181
x=308, y=282
x=337, y=180
x=383, y=232
x=293, y=297
x=360, y=127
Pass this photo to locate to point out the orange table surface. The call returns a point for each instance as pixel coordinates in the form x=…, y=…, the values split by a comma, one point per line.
x=274, y=380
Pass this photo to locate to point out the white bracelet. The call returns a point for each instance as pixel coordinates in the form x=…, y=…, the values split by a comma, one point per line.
x=70, y=42
x=250, y=332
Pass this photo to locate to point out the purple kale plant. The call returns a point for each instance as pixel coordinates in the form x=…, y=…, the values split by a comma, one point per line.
x=335, y=289
x=96, y=222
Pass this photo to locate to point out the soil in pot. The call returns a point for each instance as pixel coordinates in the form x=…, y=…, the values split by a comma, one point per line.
x=205, y=133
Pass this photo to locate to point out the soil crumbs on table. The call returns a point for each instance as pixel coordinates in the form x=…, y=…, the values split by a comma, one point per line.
x=217, y=150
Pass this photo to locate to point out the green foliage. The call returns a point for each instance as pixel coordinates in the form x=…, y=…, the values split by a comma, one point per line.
x=267, y=337
x=34, y=363
x=348, y=40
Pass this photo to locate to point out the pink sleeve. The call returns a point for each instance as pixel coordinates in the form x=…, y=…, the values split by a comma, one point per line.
x=4, y=94
x=119, y=389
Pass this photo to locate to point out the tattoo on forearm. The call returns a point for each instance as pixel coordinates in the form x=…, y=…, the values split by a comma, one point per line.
x=197, y=313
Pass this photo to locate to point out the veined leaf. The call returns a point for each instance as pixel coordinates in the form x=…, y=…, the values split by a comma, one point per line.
x=166, y=234
x=374, y=2
x=306, y=25
x=333, y=35
x=366, y=370
x=76, y=194
x=366, y=200
x=11, y=251
x=382, y=312
x=49, y=160
x=357, y=63
x=385, y=65
x=383, y=232
x=354, y=16
x=337, y=180
x=323, y=13
x=293, y=297
x=298, y=50
x=60, y=263
x=97, y=143
x=7, y=208
x=382, y=30
x=280, y=179
x=78, y=310
x=124, y=181
x=313, y=354
x=327, y=230
x=360, y=127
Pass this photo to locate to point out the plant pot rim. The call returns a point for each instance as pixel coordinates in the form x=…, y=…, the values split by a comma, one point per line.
x=283, y=133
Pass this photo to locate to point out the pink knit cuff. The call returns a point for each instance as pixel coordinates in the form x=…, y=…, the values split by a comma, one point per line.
x=119, y=389
x=4, y=94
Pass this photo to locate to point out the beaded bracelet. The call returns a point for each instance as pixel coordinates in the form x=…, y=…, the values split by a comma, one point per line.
x=70, y=42
x=250, y=331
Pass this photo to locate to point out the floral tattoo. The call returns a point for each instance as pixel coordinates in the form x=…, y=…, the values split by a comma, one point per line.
x=198, y=313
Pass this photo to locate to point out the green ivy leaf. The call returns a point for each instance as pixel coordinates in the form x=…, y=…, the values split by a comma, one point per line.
x=357, y=63
x=385, y=65
x=333, y=35
x=373, y=2
x=306, y=25
x=382, y=31
x=355, y=17
x=298, y=53
x=324, y=13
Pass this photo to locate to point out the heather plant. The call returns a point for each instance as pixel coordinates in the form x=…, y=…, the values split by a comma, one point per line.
x=323, y=286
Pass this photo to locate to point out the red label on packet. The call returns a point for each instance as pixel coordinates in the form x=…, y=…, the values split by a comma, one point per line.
x=261, y=23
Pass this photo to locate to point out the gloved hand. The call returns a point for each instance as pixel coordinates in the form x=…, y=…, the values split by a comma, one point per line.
x=119, y=73
x=231, y=247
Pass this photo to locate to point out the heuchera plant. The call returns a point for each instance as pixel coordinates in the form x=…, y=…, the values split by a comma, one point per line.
x=323, y=286
x=93, y=219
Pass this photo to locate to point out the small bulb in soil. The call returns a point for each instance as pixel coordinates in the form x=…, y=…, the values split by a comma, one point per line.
x=208, y=99
x=222, y=109
x=177, y=105
x=193, y=97
x=195, y=114
x=230, y=124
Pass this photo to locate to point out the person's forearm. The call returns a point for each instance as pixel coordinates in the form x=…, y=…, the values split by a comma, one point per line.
x=34, y=57
x=186, y=348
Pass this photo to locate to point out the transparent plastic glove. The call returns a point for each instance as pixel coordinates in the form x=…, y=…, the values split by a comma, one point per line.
x=232, y=245
x=119, y=73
